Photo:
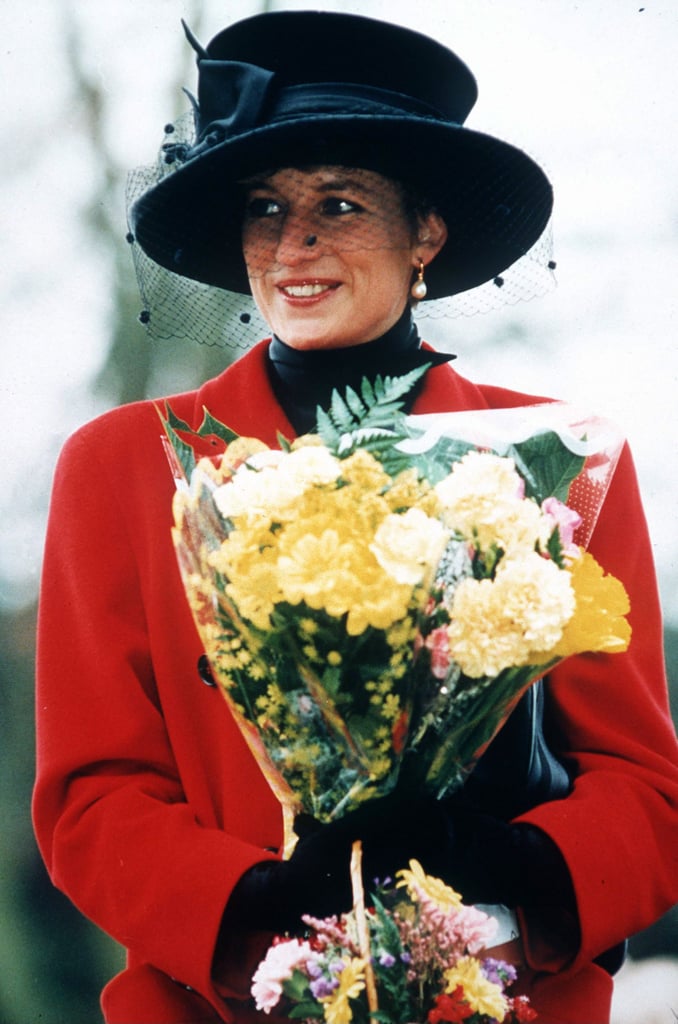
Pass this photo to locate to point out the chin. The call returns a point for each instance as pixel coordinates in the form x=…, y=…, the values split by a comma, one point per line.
x=309, y=337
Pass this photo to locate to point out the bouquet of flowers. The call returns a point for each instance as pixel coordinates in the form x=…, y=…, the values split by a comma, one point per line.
x=426, y=960
x=374, y=598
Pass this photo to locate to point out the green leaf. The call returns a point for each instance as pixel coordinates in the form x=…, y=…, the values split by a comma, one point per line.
x=367, y=392
x=555, y=549
x=182, y=452
x=547, y=465
x=327, y=431
x=210, y=425
x=306, y=1011
x=173, y=420
x=342, y=417
x=354, y=403
x=374, y=421
x=296, y=986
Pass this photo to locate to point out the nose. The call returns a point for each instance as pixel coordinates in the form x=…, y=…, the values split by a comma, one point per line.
x=298, y=241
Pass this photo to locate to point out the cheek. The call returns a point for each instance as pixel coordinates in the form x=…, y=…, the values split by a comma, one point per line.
x=258, y=289
x=258, y=246
x=391, y=278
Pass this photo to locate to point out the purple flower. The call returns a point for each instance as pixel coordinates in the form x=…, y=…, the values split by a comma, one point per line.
x=387, y=960
x=499, y=972
x=322, y=987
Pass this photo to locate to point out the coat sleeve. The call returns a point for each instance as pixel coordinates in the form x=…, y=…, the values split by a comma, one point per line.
x=618, y=829
x=117, y=831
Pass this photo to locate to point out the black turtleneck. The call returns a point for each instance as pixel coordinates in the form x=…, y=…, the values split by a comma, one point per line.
x=304, y=379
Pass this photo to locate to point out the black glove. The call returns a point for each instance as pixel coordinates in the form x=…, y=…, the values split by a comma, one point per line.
x=489, y=860
x=484, y=858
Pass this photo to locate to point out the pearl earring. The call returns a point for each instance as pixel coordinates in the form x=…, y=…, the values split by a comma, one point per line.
x=419, y=289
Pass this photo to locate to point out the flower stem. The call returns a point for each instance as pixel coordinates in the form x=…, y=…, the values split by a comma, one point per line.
x=361, y=921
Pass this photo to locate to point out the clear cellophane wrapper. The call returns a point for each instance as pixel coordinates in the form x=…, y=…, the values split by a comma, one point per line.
x=335, y=718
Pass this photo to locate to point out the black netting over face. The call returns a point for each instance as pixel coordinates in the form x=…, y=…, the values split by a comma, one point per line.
x=327, y=250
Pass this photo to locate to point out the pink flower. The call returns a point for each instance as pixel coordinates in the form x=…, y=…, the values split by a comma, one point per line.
x=475, y=928
x=275, y=968
x=565, y=518
x=439, y=645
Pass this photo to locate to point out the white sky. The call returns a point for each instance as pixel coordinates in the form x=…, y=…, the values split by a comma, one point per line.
x=590, y=88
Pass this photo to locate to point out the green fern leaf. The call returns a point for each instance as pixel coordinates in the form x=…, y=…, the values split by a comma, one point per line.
x=354, y=403
x=342, y=417
x=367, y=392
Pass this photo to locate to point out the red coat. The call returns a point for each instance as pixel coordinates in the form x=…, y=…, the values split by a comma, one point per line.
x=148, y=806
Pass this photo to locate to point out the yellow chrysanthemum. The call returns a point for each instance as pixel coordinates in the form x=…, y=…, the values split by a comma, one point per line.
x=407, y=490
x=379, y=607
x=314, y=570
x=483, y=996
x=337, y=1006
x=256, y=592
x=419, y=885
x=366, y=472
x=598, y=623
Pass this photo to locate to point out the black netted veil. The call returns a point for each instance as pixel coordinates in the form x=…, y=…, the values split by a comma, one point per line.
x=174, y=306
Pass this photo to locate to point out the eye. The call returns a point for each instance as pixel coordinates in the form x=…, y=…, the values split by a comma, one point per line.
x=263, y=206
x=337, y=206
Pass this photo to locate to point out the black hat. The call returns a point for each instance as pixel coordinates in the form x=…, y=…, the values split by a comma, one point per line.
x=296, y=88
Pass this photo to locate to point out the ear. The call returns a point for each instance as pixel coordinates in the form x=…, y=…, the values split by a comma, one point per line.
x=431, y=236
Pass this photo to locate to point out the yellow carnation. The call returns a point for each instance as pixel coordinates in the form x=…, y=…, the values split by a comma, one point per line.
x=311, y=465
x=257, y=492
x=482, y=499
x=409, y=546
x=498, y=624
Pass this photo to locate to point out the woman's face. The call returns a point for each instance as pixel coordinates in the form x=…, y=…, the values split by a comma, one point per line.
x=330, y=254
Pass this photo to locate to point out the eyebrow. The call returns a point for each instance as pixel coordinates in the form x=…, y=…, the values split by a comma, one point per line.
x=337, y=184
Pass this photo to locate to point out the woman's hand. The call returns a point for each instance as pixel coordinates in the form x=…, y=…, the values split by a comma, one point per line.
x=484, y=858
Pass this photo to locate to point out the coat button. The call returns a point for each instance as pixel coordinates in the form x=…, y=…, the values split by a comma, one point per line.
x=205, y=672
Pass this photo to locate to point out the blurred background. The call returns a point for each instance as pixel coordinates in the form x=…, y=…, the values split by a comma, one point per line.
x=589, y=89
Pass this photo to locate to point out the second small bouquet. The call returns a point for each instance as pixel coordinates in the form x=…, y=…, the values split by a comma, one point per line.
x=369, y=597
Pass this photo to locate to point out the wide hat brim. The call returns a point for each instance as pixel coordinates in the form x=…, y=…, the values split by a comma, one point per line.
x=495, y=200
x=301, y=88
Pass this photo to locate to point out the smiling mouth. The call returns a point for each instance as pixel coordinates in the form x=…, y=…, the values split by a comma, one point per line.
x=307, y=290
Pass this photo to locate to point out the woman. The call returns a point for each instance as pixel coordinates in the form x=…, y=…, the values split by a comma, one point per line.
x=331, y=175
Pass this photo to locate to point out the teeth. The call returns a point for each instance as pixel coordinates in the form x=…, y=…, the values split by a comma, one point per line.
x=305, y=291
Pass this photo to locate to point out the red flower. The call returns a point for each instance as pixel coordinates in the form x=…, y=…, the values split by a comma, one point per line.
x=399, y=732
x=521, y=1010
x=450, y=1008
